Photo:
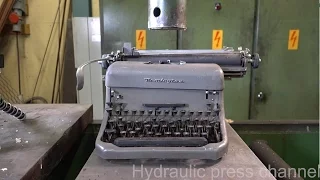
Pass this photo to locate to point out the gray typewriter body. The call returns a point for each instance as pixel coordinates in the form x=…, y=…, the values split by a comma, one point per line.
x=166, y=103
x=171, y=111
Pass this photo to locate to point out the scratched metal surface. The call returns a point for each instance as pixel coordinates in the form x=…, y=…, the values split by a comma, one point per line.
x=239, y=163
x=46, y=135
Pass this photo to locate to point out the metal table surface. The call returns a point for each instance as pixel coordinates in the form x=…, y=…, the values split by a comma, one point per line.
x=30, y=149
x=239, y=163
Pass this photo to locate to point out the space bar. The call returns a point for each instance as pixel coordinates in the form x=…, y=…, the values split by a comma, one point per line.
x=161, y=142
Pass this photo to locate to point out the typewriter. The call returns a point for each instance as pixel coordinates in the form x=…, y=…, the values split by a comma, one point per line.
x=166, y=103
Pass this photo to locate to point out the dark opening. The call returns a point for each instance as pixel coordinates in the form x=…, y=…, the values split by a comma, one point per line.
x=156, y=12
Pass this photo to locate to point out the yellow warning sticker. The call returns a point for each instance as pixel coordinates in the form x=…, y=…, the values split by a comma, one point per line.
x=293, y=41
x=217, y=39
x=141, y=39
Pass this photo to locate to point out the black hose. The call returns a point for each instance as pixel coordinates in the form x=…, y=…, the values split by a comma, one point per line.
x=11, y=110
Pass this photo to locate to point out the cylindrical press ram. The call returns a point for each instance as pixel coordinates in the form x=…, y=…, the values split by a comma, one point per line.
x=167, y=14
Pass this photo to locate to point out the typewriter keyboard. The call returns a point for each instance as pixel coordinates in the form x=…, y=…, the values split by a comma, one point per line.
x=167, y=128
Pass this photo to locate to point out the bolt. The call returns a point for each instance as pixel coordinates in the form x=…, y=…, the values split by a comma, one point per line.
x=217, y=6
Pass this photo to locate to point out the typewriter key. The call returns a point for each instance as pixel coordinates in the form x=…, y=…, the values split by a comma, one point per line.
x=132, y=133
x=137, y=123
x=204, y=134
x=204, y=121
x=216, y=125
x=199, y=126
x=163, y=122
x=155, y=125
x=164, y=125
x=123, y=133
x=112, y=122
x=186, y=134
x=174, y=112
x=129, y=126
x=121, y=126
x=195, y=134
x=173, y=126
x=208, y=128
x=191, y=127
x=177, y=133
x=168, y=133
x=196, y=121
x=126, y=111
x=182, y=112
x=110, y=133
x=158, y=112
x=149, y=133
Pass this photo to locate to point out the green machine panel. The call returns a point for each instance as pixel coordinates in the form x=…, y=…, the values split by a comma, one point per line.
x=235, y=18
x=288, y=80
x=120, y=21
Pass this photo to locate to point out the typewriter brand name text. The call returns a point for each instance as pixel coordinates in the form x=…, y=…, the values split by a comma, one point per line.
x=162, y=80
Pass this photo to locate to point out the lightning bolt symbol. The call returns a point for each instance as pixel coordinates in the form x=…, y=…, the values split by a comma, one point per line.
x=217, y=37
x=140, y=38
x=293, y=38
